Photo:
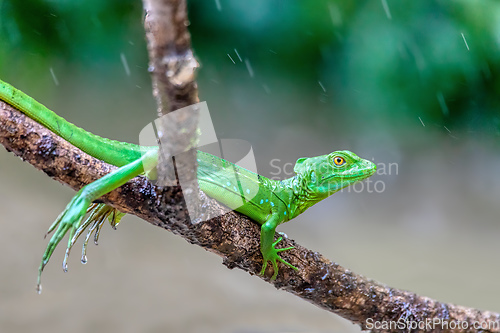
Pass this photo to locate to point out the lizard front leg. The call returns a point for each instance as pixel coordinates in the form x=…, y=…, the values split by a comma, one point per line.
x=267, y=246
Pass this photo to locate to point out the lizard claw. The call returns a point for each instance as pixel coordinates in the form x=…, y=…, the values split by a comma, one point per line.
x=98, y=215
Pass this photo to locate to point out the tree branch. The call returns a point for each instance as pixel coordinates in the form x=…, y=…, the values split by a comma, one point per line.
x=172, y=66
x=171, y=61
x=232, y=236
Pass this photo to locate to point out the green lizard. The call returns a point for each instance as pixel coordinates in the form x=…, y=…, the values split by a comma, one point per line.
x=274, y=202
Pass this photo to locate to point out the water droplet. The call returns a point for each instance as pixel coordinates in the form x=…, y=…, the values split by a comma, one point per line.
x=236, y=51
x=386, y=9
x=56, y=81
x=65, y=260
x=249, y=67
x=125, y=64
x=465, y=41
x=84, y=259
x=421, y=121
x=335, y=14
x=442, y=103
x=266, y=89
x=322, y=86
x=38, y=289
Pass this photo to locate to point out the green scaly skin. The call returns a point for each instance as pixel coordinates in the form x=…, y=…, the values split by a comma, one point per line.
x=268, y=202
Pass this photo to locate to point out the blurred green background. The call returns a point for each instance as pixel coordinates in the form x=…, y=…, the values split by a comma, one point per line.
x=411, y=84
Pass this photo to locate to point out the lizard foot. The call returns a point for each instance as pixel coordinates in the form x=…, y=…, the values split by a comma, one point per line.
x=71, y=220
x=98, y=215
x=272, y=256
x=68, y=220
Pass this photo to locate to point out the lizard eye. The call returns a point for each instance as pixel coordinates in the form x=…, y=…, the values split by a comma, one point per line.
x=338, y=161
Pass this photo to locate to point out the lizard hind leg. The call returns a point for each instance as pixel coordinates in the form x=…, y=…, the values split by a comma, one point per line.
x=70, y=220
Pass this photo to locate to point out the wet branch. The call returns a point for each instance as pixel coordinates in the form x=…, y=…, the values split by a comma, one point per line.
x=232, y=236
x=172, y=66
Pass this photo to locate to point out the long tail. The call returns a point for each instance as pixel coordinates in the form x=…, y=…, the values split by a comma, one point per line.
x=110, y=151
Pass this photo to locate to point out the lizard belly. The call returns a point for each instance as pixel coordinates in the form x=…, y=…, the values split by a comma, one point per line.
x=238, y=188
x=232, y=198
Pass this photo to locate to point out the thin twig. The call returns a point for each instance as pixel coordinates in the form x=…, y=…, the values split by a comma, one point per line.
x=173, y=67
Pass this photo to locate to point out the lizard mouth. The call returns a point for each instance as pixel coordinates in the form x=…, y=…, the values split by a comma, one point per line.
x=367, y=172
x=361, y=175
x=364, y=173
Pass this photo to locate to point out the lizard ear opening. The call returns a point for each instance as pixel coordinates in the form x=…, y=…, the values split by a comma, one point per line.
x=299, y=165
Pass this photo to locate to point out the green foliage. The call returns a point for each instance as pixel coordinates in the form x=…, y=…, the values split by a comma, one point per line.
x=90, y=33
x=392, y=60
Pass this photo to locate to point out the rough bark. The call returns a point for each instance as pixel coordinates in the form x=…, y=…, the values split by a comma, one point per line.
x=171, y=61
x=173, y=66
x=235, y=238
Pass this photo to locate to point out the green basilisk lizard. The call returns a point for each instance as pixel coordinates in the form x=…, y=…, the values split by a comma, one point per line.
x=274, y=202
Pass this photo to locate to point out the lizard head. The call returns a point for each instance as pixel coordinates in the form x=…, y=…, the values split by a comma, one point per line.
x=324, y=175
